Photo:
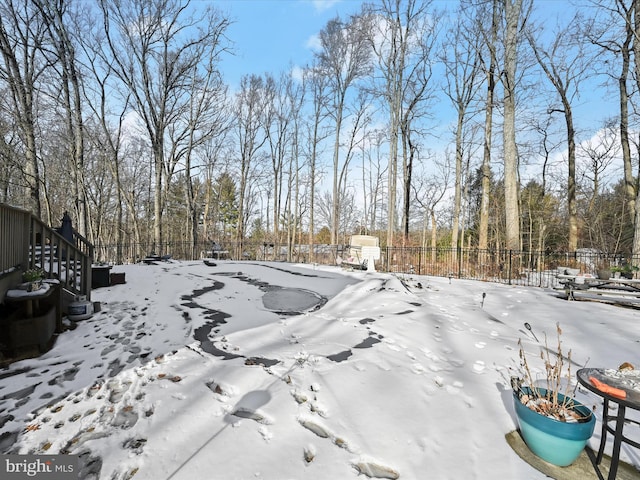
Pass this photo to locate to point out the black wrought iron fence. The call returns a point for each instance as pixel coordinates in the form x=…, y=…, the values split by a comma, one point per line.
x=503, y=266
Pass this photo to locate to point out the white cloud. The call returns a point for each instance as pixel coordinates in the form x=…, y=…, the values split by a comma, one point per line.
x=313, y=42
x=323, y=5
x=297, y=73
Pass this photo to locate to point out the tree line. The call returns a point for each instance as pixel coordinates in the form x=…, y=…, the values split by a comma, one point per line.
x=425, y=123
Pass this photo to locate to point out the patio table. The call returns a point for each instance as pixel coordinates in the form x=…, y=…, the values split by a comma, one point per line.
x=626, y=394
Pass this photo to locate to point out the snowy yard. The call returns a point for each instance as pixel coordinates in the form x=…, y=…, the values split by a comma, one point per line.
x=278, y=371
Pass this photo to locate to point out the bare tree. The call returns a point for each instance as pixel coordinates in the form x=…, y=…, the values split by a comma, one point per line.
x=250, y=102
x=22, y=33
x=599, y=153
x=109, y=141
x=428, y=192
x=402, y=39
x=277, y=123
x=207, y=117
x=462, y=63
x=295, y=99
x=216, y=156
x=489, y=44
x=9, y=165
x=156, y=50
x=359, y=108
x=343, y=58
x=613, y=28
x=538, y=194
x=374, y=170
x=316, y=83
x=564, y=63
x=63, y=32
x=514, y=15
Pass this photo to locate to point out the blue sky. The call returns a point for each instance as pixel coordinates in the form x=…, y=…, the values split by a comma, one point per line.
x=272, y=35
x=275, y=35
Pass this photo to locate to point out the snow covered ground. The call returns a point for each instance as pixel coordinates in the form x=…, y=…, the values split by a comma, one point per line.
x=279, y=371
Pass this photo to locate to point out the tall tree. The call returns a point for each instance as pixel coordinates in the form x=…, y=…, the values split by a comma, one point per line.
x=402, y=39
x=564, y=63
x=207, y=117
x=295, y=97
x=316, y=83
x=462, y=63
x=250, y=131
x=490, y=40
x=22, y=33
x=277, y=122
x=109, y=140
x=63, y=33
x=343, y=58
x=634, y=205
x=514, y=16
x=157, y=49
x=599, y=153
x=374, y=167
x=613, y=28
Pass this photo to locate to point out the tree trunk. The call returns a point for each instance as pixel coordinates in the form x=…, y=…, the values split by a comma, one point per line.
x=335, y=208
x=512, y=207
x=571, y=183
x=629, y=181
x=19, y=69
x=457, y=194
x=483, y=233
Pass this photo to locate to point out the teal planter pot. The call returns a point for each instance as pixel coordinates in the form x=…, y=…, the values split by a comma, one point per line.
x=559, y=443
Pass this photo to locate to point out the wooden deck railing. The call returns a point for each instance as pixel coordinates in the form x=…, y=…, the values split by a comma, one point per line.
x=27, y=242
x=14, y=239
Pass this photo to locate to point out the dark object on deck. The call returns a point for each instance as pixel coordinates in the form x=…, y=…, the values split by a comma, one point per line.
x=153, y=258
x=66, y=228
x=117, y=278
x=66, y=231
x=100, y=276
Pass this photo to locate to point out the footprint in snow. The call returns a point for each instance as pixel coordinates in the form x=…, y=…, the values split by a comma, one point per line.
x=373, y=469
x=118, y=389
x=81, y=438
x=314, y=427
x=480, y=345
x=254, y=415
x=125, y=418
x=452, y=390
x=299, y=397
x=456, y=362
x=136, y=445
x=323, y=432
x=417, y=368
x=479, y=367
x=429, y=354
x=309, y=453
x=266, y=434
